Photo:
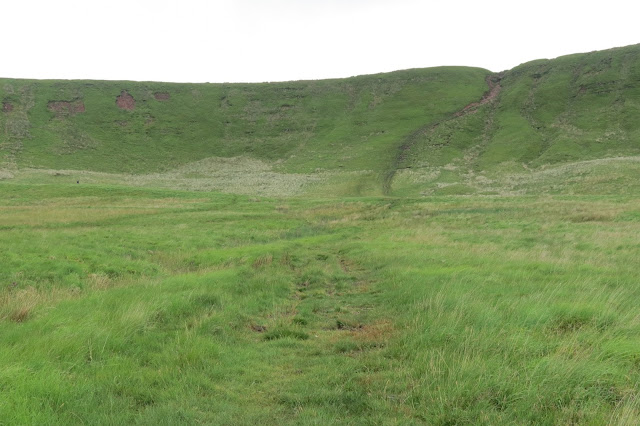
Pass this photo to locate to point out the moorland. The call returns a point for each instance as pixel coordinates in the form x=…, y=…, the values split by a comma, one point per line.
x=445, y=245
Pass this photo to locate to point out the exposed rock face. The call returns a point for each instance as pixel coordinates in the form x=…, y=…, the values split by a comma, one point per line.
x=126, y=101
x=162, y=96
x=7, y=107
x=62, y=108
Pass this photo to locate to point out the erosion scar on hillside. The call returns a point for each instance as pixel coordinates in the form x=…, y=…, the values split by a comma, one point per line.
x=493, y=81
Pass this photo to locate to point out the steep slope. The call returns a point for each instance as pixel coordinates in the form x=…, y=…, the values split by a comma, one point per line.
x=451, y=130
x=350, y=124
x=548, y=112
x=572, y=108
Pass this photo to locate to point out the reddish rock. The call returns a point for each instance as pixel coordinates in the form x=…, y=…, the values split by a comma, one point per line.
x=162, y=96
x=126, y=101
x=7, y=107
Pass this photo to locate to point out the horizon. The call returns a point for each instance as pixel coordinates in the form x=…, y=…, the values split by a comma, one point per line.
x=311, y=79
x=249, y=41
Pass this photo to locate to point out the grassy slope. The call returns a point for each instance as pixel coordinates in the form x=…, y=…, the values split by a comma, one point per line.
x=577, y=107
x=396, y=131
x=549, y=113
x=351, y=124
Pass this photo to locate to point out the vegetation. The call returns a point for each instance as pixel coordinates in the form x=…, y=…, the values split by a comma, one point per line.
x=391, y=258
x=401, y=133
x=123, y=305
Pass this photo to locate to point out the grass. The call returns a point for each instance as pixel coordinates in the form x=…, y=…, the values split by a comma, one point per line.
x=358, y=251
x=333, y=124
x=124, y=305
x=403, y=133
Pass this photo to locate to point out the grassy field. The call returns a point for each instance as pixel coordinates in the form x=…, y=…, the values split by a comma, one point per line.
x=154, y=306
x=439, y=246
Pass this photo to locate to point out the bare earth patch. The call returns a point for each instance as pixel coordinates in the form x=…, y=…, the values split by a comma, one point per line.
x=493, y=81
x=126, y=101
x=7, y=107
x=62, y=108
x=162, y=96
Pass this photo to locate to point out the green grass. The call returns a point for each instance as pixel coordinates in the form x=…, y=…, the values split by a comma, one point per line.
x=400, y=133
x=333, y=124
x=154, y=306
x=357, y=251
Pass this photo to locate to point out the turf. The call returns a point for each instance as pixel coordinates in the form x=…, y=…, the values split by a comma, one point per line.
x=403, y=248
x=154, y=306
x=402, y=133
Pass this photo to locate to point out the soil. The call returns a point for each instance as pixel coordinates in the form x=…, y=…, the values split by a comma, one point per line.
x=126, y=101
x=66, y=107
x=162, y=96
x=493, y=82
x=7, y=107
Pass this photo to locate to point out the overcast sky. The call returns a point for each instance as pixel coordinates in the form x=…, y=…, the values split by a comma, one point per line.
x=276, y=40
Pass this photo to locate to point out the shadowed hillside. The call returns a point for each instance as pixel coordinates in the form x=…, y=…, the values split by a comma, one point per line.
x=438, y=130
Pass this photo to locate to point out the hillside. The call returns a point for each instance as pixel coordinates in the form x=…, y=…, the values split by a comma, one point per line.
x=438, y=246
x=438, y=130
x=548, y=113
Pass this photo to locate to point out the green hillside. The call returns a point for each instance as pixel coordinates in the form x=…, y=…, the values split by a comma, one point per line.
x=350, y=124
x=406, y=132
x=548, y=113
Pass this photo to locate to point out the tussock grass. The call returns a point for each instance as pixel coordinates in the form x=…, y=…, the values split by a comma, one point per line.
x=197, y=307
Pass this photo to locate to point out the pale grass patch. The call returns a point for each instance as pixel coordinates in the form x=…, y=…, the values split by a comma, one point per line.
x=612, y=238
x=627, y=411
x=237, y=175
x=355, y=217
x=18, y=305
x=5, y=174
x=136, y=313
x=39, y=215
x=420, y=175
x=423, y=236
x=583, y=172
x=100, y=281
x=518, y=179
x=335, y=214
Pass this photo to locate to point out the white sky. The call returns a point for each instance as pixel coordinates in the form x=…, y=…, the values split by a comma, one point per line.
x=277, y=40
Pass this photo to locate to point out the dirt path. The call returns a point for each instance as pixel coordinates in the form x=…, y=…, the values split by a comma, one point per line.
x=493, y=81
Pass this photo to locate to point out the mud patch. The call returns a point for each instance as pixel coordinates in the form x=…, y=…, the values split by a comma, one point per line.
x=162, y=96
x=258, y=328
x=126, y=101
x=64, y=108
x=7, y=107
